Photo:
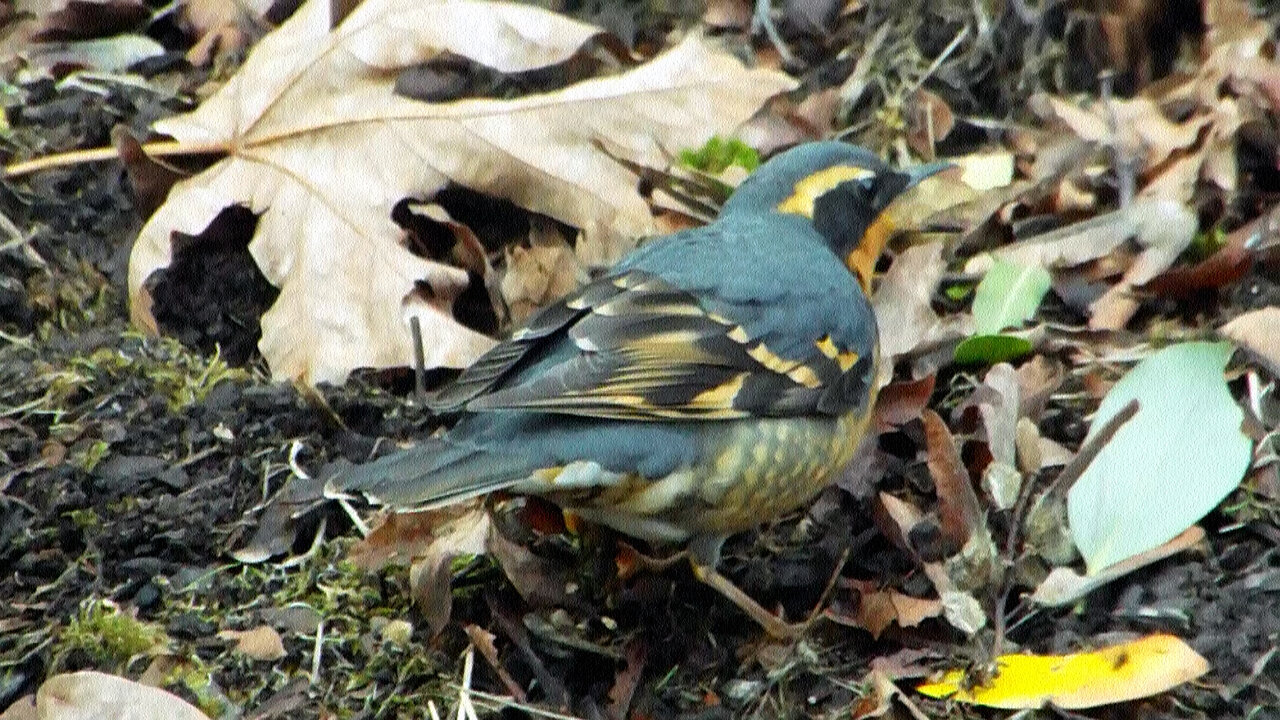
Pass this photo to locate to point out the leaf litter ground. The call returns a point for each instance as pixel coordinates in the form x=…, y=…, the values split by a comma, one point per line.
x=137, y=466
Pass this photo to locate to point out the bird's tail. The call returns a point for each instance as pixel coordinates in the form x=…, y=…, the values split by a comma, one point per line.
x=434, y=473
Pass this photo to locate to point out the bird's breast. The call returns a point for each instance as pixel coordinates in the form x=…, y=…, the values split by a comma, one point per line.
x=750, y=472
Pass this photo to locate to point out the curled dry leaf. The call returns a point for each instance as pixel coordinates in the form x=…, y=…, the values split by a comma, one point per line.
x=998, y=401
x=322, y=148
x=1258, y=332
x=1163, y=227
x=430, y=576
x=427, y=542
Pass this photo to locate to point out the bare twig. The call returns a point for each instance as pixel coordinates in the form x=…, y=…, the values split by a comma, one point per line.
x=1072, y=472
x=937, y=62
x=419, y=361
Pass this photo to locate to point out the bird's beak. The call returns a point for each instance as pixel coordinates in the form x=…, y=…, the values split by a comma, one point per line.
x=862, y=260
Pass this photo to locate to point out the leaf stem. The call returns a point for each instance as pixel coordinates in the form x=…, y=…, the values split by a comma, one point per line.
x=166, y=148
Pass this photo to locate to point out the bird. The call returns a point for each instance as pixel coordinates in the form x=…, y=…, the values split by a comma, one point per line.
x=712, y=380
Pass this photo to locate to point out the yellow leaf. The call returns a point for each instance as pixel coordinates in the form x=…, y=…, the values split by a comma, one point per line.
x=1114, y=674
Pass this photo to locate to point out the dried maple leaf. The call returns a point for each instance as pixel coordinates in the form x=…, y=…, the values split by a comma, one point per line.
x=875, y=608
x=320, y=146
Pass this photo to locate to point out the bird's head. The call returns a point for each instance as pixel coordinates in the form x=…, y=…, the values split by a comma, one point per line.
x=845, y=190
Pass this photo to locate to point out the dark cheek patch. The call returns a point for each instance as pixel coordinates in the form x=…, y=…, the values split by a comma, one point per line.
x=842, y=214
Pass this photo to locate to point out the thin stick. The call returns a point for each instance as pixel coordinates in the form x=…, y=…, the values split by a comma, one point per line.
x=937, y=62
x=419, y=361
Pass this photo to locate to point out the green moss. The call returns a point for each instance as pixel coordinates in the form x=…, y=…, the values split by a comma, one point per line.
x=719, y=154
x=1205, y=244
x=172, y=371
x=93, y=454
x=195, y=676
x=108, y=635
x=85, y=519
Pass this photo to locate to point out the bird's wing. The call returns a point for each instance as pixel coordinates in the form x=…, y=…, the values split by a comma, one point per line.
x=541, y=333
x=640, y=348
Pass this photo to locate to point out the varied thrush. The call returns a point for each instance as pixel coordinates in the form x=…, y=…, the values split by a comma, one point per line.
x=716, y=378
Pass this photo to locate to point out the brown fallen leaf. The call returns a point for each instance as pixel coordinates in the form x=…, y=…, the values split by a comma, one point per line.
x=818, y=111
x=545, y=271
x=1165, y=229
x=1038, y=378
x=402, y=536
x=320, y=145
x=259, y=643
x=221, y=27
x=901, y=402
x=1141, y=128
x=151, y=179
x=882, y=698
x=540, y=581
x=92, y=695
x=628, y=679
x=959, y=511
x=895, y=518
x=877, y=608
x=430, y=576
x=1230, y=263
x=930, y=120
x=903, y=303
x=483, y=641
x=1162, y=227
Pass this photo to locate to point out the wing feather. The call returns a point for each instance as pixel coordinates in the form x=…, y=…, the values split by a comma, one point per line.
x=646, y=350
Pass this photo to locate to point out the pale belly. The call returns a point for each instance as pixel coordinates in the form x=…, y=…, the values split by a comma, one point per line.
x=765, y=469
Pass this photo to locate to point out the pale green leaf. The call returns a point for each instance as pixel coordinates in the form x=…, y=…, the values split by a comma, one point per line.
x=1007, y=296
x=1179, y=456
